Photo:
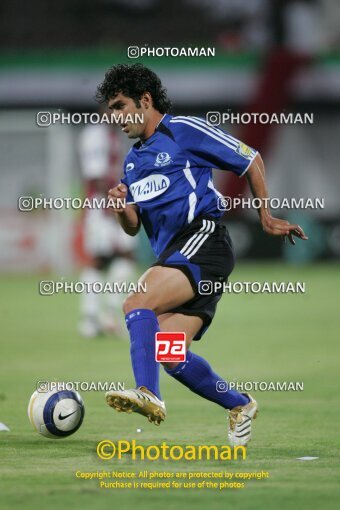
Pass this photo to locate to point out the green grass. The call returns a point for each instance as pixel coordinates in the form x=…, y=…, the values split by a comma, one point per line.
x=253, y=338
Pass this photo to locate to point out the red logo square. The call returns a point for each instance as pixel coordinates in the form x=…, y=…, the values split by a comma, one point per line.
x=170, y=346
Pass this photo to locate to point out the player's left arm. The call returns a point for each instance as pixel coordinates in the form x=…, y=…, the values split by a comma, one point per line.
x=271, y=225
x=209, y=146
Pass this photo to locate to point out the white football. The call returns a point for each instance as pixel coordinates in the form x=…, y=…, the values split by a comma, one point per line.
x=56, y=414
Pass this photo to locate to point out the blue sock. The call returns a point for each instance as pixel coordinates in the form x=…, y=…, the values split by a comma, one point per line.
x=143, y=325
x=197, y=375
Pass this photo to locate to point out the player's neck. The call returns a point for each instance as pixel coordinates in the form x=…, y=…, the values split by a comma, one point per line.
x=152, y=125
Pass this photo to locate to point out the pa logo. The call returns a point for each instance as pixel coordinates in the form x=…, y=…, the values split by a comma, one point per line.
x=163, y=158
x=170, y=346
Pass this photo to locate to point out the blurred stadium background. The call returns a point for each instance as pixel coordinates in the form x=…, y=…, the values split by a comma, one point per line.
x=271, y=56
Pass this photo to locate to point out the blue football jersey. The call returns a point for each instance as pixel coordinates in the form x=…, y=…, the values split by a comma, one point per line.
x=169, y=176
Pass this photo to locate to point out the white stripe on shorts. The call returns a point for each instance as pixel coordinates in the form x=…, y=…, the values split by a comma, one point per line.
x=195, y=242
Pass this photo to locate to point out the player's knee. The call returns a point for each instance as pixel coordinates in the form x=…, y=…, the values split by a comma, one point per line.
x=128, y=304
x=134, y=301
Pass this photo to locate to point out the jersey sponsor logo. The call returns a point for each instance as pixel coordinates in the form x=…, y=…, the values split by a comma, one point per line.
x=244, y=150
x=149, y=187
x=170, y=346
x=129, y=167
x=163, y=159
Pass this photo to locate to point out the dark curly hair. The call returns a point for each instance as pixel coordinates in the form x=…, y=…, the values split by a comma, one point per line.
x=133, y=81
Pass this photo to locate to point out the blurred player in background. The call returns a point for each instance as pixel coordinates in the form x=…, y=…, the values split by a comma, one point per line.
x=109, y=250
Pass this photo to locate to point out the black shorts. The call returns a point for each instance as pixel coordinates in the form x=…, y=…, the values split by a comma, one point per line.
x=203, y=252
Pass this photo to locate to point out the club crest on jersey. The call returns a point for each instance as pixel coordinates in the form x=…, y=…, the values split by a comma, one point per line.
x=163, y=158
x=149, y=187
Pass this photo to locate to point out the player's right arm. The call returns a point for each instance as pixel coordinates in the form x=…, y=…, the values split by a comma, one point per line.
x=128, y=216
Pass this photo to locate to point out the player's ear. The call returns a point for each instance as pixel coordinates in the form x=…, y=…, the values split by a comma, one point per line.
x=146, y=100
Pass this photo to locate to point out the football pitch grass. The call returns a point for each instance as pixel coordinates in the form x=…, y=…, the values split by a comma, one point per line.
x=254, y=337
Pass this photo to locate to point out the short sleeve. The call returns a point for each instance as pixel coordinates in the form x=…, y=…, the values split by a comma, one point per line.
x=211, y=146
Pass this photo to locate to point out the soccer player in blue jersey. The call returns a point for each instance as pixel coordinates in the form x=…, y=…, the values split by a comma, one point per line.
x=169, y=190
